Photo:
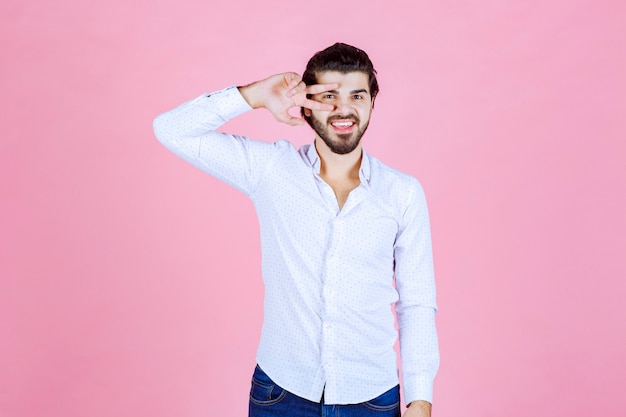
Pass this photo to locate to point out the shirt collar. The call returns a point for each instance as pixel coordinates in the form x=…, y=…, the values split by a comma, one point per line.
x=313, y=158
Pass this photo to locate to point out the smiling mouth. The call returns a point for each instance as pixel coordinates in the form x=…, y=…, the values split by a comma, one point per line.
x=342, y=125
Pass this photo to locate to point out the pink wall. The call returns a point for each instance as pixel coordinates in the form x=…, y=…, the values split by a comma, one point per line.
x=129, y=281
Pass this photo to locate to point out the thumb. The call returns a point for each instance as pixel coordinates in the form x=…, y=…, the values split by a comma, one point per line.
x=289, y=119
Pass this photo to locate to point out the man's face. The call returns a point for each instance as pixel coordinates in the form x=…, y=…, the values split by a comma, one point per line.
x=341, y=129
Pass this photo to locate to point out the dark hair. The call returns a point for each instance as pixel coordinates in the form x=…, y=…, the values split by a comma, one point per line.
x=342, y=58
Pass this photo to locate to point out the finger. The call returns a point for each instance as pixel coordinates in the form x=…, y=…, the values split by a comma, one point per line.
x=299, y=87
x=289, y=119
x=292, y=79
x=320, y=88
x=295, y=121
x=316, y=105
x=293, y=84
x=292, y=121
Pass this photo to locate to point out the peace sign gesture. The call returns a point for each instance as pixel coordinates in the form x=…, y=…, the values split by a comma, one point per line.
x=281, y=92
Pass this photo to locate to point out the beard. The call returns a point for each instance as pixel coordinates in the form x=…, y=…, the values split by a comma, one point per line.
x=344, y=142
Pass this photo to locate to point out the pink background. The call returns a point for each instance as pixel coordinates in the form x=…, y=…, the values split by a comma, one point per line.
x=129, y=281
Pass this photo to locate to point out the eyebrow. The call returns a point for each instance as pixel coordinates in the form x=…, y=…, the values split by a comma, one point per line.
x=359, y=91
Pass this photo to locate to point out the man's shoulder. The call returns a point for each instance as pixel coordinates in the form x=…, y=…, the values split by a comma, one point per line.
x=393, y=178
x=398, y=189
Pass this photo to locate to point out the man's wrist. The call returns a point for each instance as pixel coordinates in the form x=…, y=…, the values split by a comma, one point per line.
x=252, y=94
x=420, y=403
x=419, y=408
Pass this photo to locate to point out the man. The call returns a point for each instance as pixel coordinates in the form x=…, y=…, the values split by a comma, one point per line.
x=343, y=238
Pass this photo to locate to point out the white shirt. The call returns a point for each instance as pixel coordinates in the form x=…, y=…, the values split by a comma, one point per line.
x=328, y=273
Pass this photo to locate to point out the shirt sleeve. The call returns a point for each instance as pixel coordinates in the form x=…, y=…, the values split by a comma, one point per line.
x=189, y=131
x=416, y=307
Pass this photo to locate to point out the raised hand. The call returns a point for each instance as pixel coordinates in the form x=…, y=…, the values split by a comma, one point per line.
x=281, y=92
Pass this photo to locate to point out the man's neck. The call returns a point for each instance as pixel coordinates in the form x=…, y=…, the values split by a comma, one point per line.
x=338, y=166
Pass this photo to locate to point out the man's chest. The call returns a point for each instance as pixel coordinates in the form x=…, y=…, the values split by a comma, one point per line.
x=303, y=212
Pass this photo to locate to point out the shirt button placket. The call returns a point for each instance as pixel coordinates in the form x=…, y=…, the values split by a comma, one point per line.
x=331, y=270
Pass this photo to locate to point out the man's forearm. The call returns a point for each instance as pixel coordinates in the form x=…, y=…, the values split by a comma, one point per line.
x=254, y=94
x=199, y=116
x=419, y=352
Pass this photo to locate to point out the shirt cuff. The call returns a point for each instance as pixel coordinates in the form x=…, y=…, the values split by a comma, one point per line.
x=231, y=102
x=420, y=388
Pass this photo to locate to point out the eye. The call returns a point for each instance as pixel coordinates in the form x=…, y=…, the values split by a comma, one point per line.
x=328, y=96
x=357, y=97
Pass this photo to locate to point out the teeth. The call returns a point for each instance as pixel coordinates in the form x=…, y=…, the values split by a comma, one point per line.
x=343, y=124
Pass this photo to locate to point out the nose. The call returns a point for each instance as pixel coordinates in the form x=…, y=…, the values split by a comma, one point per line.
x=343, y=106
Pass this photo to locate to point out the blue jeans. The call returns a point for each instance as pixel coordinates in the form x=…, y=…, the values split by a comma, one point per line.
x=269, y=400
